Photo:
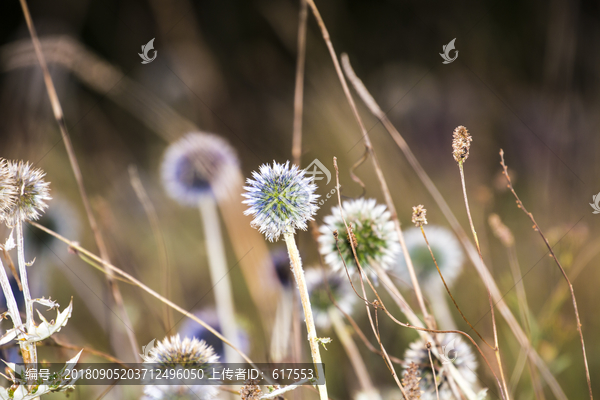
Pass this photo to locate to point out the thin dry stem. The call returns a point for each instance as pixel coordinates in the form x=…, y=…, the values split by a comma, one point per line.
x=369, y=147
x=59, y=116
x=483, y=271
x=437, y=394
x=299, y=90
x=537, y=228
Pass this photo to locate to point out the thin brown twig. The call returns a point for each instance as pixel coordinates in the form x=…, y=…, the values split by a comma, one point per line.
x=12, y=268
x=58, y=343
x=299, y=89
x=537, y=228
x=369, y=147
x=59, y=116
x=437, y=394
x=483, y=271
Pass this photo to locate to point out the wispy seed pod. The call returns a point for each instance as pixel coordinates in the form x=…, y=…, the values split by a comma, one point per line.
x=32, y=193
x=461, y=143
x=8, y=190
x=419, y=216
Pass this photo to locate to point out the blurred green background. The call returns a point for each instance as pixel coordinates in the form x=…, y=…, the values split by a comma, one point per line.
x=525, y=80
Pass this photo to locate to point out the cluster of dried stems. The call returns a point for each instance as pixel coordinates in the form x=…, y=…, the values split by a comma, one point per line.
x=426, y=328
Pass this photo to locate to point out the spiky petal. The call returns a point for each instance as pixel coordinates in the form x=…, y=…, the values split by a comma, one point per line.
x=281, y=199
x=374, y=236
x=198, y=164
x=32, y=193
x=8, y=189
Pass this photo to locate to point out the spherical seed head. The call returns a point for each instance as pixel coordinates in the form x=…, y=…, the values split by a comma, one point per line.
x=374, y=237
x=419, y=216
x=281, y=199
x=461, y=142
x=455, y=351
x=8, y=190
x=445, y=248
x=320, y=302
x=197, y=165
x=173, y=352
x=32, y=193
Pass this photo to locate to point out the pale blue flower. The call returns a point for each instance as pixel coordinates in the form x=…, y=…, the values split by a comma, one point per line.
x=281, y=199
x=197, y=165
x=320, y=302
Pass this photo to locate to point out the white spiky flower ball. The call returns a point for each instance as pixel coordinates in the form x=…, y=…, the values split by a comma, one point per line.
x=454, y=351
x=320, y=302
x=376, y=239
x=174, y=353
x=281, y=199
x=197, y=165
x=446, y=249
x=32, y=192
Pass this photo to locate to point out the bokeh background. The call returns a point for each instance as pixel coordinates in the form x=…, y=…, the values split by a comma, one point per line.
x=525, y=80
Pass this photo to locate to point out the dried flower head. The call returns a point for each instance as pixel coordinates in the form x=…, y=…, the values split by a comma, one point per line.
x=32, y=193
x=410, y=381
x=461, y=142
x=419, y=216
x=445, y=248
x=340, y=288
x=251, y=390
x=174, y=353
x=8, y=190
x=454, y=350
x=374, y=237
x=196, y=165
x=281, y=199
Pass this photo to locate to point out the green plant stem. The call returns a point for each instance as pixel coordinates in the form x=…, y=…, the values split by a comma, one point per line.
x=308, y=316
x=219, y=274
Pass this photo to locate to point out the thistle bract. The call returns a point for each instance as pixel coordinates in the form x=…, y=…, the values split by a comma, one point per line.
x=452, y=350
x=445, y=248
x=281, y=199
x=8, y=190
x=196, y=165
x=320, y=302
x=375, y=238
x=32, y=193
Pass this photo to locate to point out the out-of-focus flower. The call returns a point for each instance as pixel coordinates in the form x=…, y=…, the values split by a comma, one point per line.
x=174, y=353
x=374, y=237
x=281, y=199
x=445, y=248
x=196, y=165
x=454, y=350
x=8, y=189
x=32, y=193
x=320, y=301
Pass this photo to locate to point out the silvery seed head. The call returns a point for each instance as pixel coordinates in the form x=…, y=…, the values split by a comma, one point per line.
x=196, y=165
x=375, y=238
x=455, y=351
x=445, y=248
x=320, y=302
x=281, y=199
x=461, y=143
x=32, y=193
x=8, y=189
x=174, y=353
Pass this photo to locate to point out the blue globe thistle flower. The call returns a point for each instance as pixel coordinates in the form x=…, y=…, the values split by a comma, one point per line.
x=174, y=353
x=455, y=351
x=197, y=165
x=281, y=199
x=32, y=192
x=446, y=249
x=320, y=302
x=190, y=328
x=375, y=238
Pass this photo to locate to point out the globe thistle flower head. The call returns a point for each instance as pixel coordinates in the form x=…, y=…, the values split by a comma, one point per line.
x=320, y=302
x=453, y=350
x=445, y=248
x=197, y=165
x=281, y=198
x=32, y=193
x=461, y=143
x=374, y=237
x=8, y=190
x=419, y=216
